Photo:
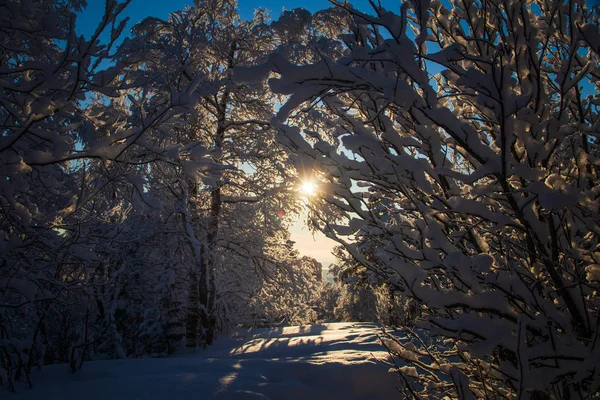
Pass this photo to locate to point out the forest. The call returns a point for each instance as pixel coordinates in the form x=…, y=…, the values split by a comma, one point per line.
x=149, y=179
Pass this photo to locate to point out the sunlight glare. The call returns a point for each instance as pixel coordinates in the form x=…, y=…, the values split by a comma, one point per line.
x=308, y=188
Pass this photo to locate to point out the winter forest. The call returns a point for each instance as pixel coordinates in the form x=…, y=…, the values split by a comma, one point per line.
x=149, y=178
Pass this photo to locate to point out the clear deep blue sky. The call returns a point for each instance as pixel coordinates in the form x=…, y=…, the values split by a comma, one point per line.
x=140, y=9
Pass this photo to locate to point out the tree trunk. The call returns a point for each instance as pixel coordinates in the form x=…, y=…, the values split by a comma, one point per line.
x=192, y=318
x=207, y=286
x=206, y=318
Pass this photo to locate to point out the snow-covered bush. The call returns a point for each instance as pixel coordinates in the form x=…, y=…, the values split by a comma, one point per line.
x=364, y=296
x=290, y=294
x=328, y=294
x=459, y=138
x=356, y=303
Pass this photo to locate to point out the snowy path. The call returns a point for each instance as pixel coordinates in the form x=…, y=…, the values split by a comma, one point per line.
x=328, y=361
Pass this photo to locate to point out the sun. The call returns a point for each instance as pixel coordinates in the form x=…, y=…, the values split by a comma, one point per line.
x=308, y=188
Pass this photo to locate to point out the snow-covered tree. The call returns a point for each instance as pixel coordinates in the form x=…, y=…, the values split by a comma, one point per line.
x=72, y=146
x=459, y=138
x=46, y=72
x=235, y=223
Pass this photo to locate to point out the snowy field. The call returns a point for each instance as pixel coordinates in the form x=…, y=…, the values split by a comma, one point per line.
x=328, y=361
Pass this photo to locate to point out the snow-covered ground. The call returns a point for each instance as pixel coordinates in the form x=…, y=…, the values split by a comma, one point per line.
x=327, y=361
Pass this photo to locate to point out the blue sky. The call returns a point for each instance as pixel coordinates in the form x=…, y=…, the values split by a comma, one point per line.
x=140, y=9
